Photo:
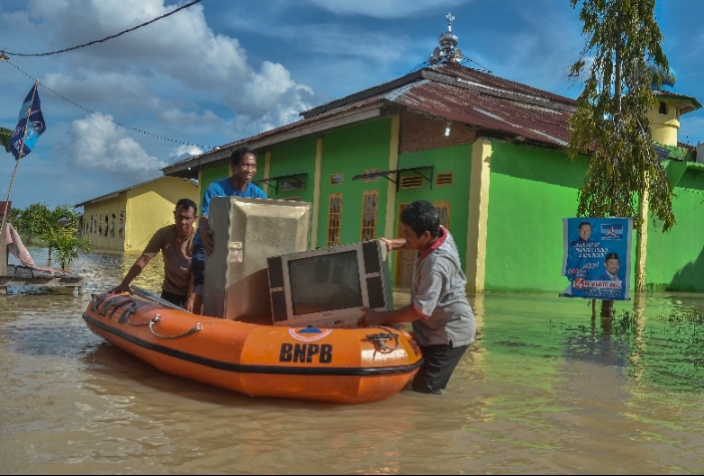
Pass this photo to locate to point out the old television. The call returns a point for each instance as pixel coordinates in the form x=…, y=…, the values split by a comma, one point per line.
x=329, y=287
x=246, y=231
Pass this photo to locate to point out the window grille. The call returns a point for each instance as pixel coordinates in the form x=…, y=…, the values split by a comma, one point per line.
x=334, y=218
x=121, y=229
x=444, y=208
x=370, y=201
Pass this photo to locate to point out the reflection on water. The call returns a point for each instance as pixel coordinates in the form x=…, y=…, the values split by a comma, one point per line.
x=544, y=389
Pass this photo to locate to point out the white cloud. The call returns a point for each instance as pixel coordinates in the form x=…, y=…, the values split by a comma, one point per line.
x=383, y=8
x=174, y=115
x=184, y=151
x=177, y=55
x=98, y=145
x=271, y=98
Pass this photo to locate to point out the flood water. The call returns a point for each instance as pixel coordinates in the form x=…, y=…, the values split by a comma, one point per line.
x=541, y=391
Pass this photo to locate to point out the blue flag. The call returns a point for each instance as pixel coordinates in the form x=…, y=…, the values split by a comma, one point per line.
x=35, y=126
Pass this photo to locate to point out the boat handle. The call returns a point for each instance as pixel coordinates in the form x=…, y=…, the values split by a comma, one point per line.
x=157, y=318
x=131, y=311
x=379, y=340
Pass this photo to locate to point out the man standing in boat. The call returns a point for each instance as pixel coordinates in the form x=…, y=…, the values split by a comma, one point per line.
x=243, y=167
x=442, y=319
x=174, y=242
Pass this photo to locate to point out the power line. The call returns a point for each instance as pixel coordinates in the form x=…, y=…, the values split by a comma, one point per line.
x=106, y=38
x=97, y=114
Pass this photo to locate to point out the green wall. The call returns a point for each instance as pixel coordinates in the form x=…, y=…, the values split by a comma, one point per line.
x=531, y=190
x=676, y=258
x=350, y=151
x=210, y=175
x=457, y=160
x=292, y=158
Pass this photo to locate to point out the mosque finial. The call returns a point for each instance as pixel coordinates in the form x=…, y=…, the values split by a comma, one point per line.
x=450, y=18
x=447, y=51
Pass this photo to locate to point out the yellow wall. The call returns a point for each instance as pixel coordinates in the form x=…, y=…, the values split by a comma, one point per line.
x=664, y=127
x=147, y=208
x=150, y=206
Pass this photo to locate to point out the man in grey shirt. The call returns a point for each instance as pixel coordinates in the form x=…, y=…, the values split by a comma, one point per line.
x=441, y=316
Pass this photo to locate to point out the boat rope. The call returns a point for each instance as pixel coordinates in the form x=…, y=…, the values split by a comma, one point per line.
x=117, y=301
x=157, y=319
x=379, y=340
x=122, y=303
x=135, y=324
x=99, y=300
x=125, y=316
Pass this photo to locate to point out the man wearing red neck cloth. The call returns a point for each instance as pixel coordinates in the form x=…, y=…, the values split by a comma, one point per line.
x=442, y=319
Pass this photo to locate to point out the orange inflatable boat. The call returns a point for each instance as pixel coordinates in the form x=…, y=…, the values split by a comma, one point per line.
x=335, y=365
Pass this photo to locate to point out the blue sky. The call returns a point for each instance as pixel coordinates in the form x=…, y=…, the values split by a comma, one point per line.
x=222, y=70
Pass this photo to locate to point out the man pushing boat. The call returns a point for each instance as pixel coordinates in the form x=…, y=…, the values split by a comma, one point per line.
x=442, y=319
x=174, y=242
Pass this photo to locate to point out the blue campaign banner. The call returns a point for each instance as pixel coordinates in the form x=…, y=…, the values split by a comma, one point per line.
x=31, y=119
x=597, y=257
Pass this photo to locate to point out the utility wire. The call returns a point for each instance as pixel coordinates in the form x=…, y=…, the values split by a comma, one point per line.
x=7, y=60
x=106, y=38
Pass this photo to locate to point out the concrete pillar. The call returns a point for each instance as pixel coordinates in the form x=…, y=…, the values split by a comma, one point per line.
x=316, y=192
x=478, y=215
x=389, y=230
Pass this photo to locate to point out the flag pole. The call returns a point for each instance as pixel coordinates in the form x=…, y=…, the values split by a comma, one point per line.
x=19, y=157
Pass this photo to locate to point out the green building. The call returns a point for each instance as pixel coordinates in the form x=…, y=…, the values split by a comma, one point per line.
x=489, y=152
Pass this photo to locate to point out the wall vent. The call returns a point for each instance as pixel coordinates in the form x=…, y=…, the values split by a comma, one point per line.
x=444, y=178
x=412, y=181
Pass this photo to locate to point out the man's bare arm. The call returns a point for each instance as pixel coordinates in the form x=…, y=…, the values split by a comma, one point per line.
x=394, y=244
x=135, y=270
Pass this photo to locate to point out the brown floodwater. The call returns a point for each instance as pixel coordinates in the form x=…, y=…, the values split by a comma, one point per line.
x=543, y=390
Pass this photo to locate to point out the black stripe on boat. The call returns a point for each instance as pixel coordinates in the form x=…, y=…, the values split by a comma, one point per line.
x=253, y=369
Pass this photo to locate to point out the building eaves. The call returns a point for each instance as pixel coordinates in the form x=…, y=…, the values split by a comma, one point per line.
x=690, y=101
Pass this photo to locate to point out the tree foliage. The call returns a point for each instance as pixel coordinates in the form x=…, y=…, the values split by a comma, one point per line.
x=58, y=228
x=31, y=222
x=620, y=61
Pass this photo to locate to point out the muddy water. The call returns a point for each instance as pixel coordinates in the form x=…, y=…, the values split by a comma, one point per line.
x=542, y=390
